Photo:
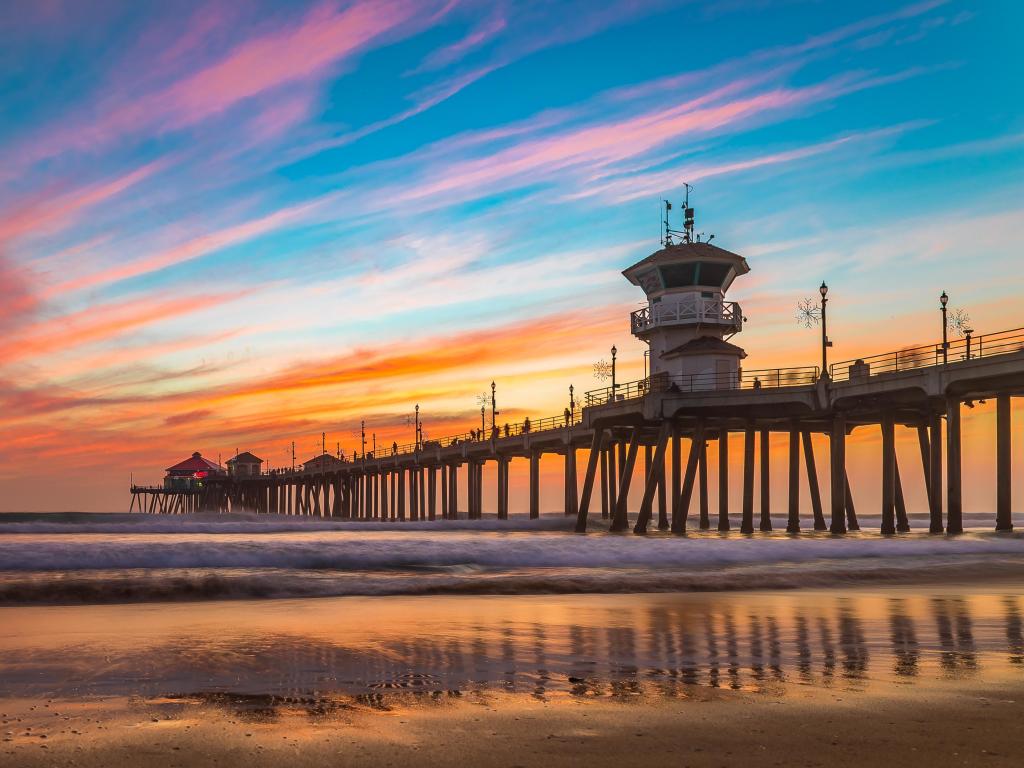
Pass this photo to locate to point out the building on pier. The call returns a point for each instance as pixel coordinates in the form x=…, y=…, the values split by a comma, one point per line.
x=325, y=462
x=244, y=464
x=191, y=473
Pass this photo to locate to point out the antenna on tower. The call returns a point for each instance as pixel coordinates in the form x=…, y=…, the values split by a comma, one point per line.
x=687, y=216
x=666, y=234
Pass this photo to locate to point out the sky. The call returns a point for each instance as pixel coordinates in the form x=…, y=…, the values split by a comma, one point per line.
x=228, y=226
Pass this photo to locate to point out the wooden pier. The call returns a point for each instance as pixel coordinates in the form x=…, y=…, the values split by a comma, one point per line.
x=922, y=389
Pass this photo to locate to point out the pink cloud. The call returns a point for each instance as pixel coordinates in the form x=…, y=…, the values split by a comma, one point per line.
x=191, y=249
x=95, y=324
x=322, y=41
x=602, y=144
x=46, y=213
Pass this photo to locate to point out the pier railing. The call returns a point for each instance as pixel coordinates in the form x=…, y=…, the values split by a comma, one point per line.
x=930, y=355
x=768, y=378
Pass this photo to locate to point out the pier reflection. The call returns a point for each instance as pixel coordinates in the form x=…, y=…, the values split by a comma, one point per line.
x=659, y=646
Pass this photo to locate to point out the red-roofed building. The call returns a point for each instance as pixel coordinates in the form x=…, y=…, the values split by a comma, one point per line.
x=191, y=472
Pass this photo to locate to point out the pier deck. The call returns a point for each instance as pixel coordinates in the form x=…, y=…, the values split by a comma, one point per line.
x=922, y=388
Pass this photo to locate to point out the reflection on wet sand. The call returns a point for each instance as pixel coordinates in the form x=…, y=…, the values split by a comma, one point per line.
x=654, y=646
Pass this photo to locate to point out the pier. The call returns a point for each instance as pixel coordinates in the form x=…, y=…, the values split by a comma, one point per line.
x=696, y=395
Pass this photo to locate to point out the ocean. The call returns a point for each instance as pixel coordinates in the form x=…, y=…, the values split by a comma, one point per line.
x=78, y=558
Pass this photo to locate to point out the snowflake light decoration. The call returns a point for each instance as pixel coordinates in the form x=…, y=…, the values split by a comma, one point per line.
x=960, y=321
x=808, y=313
x=602, y=370
x=483, y=400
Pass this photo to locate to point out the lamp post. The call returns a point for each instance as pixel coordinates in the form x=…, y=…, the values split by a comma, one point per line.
x=362, y=437
x=943, y=301
x=614, y=385
x=494, y=406
x=416, y=433
x=825, y=343
x=572, y=404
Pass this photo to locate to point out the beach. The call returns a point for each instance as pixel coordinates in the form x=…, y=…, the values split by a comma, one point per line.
x=504, y=647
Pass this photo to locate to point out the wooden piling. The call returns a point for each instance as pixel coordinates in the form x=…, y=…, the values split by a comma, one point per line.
x=723, y=479
x=692, y=460
x=1004, y=463
x=888, y=474
x=793, y=519
x=935, y=524
x=655, y=469
x=534, y=484
x=597, y=456
x=620, y=521
x=838, y=474
x=766, y=486
x=954, y=502
x=702, y=476
x=747, y=519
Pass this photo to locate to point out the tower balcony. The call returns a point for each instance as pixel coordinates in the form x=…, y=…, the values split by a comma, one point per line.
x=726, y=315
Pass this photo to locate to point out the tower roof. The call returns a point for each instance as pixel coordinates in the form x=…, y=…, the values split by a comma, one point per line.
x=245, y=458
x=650, y=273
x=196, y=463
x=703, y=345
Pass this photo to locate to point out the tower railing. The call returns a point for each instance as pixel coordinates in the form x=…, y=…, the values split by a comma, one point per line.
x=690, y=309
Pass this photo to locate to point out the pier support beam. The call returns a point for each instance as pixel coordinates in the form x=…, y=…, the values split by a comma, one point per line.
x=597, y=456
x=401, y=494
x=954, y=502
x=793, y=521
x=571, y=491
x=702, y=472
x=851, y=511
x=838, y=475
x=620, y=521
x=923, y=444
x=662, y=504
x=679, y=521
x=935, y=524
x=902, y=521
x=603, y=460
x=453, y=492
x=432, y=493
x=677, y=466
x=502, y=488
x=655, y=470
x=888, y=474
x=747, y=520
x=534, y=484
x=1004, y=464
x=766, y=487
x=723, y=479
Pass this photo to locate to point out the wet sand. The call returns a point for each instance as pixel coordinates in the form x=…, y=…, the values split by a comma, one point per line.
x=705, y=728
x=904, y=676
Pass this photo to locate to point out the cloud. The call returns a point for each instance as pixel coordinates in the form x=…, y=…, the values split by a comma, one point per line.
x=100, y=323
x=320, y=43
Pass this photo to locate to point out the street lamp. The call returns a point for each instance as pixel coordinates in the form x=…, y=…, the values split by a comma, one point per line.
x=614, y=385
x=494, y=406
x=944, y=300
x=416, y=434
x=825, y=343
x=572, y=404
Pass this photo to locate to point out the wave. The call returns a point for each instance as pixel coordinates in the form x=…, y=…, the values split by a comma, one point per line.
x=240, y=523
x=200, y=585
x=375, y=552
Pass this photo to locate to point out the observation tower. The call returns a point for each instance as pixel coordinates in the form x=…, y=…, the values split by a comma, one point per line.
x=688, y=322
